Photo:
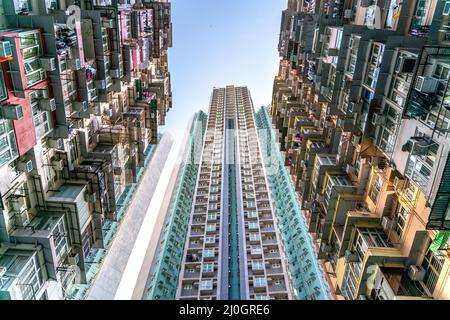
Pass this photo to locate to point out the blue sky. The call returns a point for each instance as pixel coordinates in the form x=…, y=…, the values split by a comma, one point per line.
x=220, y=42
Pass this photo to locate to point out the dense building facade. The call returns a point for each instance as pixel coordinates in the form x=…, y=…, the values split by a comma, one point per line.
x=361, y=107
x=84, y=86
x=234, y=244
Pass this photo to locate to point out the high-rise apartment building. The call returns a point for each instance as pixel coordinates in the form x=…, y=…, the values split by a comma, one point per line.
x=239, y=242
x=84, y=86
x=361, y=105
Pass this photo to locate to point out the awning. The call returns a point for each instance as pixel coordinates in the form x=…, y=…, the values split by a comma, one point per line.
x=439, y=241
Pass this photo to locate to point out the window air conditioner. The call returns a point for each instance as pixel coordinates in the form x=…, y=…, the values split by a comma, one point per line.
x=48, y=64
x=58, y=165
x=12, y=111
x=416, y=273
x=350, y=256
x=378, y=120
x=47, y=104
x=426, y=84
x=25, y=166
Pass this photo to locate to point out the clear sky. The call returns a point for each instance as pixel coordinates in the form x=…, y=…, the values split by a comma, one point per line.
x=221, y=42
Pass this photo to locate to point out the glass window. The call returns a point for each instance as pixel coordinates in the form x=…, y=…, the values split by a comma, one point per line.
x=208, y=267
x=260, y=281
x=432, y=264
x=3, y=94
x=257, y=265
x=206, y=284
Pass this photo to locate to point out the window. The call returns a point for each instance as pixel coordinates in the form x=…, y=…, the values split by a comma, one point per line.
x=190, y=270
x=206, y=284
x=253, y=225
x=375, y=188
x=209, y=267
x=260, y=282
x=257, y=265
x=256, y=250
x=252, y=214
x=211, y=227
x=41, y=119
x=400, y=221
x=208, y=253
x=8, y=147
x=3, y=93
x=210, y=240
x=254, y=236
x=212, y=217
x=251, y=204
x=446, y=10
x=432, y=264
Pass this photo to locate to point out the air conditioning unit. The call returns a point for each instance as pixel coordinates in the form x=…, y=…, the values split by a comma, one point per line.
x=326, y=248
x=350, y=169
x=386, y=223
x=17, y=204
x=22, y=218
x=426, y=84
x=322, y=37
x=47, y=104
x=2, y=271
x=115, y=73
x=348, y=14
x=332, y=52
x=417, y=147
x=96, y=138
x=5, y=49
x=56, y=143
x=319, y=198
x=95, y=110
x=73, y=259
x=25, y=166
x=350, y=256
x=356, y=140
x=58, y=165
x=365, y=3
x=81, y=106
x=12, y=111
x=91, y=197
x=416, y=273
x=78, y=124
x=373, y=161
x=92, y=94
x=378, y=120
x=398, y=183
x=354, y=107
x=405, y=65
x=48, y=64
x=108, y=23
x=100, y=84
x=108, y=112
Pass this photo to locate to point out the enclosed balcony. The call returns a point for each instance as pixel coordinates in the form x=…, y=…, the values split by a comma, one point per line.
x=395, y=284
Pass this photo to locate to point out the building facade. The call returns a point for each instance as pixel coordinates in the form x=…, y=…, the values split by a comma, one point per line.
x=84, y=86
x=234, y=246
x=361, y=106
